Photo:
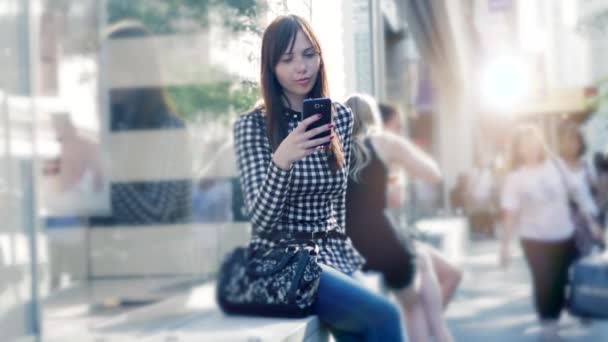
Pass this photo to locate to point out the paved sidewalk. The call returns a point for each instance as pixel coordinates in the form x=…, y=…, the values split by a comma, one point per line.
x=495, y=305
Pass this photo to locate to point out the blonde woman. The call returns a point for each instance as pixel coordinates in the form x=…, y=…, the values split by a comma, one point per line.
x=534, y=201
x=408, y=272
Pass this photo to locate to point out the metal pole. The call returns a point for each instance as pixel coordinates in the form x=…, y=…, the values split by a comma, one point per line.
x=33, y=225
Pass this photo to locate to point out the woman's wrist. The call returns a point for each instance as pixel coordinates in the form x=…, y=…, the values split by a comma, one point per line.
x=283, y=165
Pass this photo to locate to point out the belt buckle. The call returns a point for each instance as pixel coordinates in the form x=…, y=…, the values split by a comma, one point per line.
x=312, y=250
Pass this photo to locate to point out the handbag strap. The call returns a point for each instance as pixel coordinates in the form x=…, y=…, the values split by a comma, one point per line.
x=571, y=197
x=287, y=251
x=303, y=260
x=563, y=179
x=285, y=258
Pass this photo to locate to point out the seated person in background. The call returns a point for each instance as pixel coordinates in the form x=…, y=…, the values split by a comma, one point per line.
x=481, y=202
x=406, y=270
x=458, y=193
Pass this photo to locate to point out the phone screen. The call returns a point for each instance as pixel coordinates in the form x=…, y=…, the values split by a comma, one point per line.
x=321, y=106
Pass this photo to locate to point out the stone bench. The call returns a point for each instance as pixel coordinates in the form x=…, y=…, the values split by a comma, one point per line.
x=86, y=313
x=192, y=316
x=192, y=313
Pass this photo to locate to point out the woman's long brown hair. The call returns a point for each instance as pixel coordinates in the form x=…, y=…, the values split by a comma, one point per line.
x=279, y=37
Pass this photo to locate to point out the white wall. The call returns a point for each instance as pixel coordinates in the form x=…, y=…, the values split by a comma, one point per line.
x=455, y=137
x=332, y=23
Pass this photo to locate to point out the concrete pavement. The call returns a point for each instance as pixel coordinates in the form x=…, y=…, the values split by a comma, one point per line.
x=495, y=305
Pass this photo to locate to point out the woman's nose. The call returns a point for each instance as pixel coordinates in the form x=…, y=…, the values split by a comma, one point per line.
x=301, y=66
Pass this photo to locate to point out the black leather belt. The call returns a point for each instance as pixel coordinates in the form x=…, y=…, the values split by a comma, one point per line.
x=289, y=235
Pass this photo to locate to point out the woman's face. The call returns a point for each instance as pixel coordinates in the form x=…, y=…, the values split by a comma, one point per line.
x=297, y=69
x=530, y=150
x=570, y=144
x=394, y=124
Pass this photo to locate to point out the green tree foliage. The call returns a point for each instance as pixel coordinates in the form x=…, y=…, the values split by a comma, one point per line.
x=171, y=16
x=201, y=102
x=198, y=102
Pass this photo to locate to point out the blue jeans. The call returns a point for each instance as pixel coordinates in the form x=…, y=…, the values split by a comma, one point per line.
x=354, y=313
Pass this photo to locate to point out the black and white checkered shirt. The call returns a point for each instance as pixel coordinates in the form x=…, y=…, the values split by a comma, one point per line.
x=310, y=197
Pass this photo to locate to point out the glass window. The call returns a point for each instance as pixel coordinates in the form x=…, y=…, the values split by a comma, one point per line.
x=17, y=300
x=117, y=175
x=154, y=155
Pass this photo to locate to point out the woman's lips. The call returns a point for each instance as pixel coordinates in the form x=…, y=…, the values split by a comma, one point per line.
x=303, y=81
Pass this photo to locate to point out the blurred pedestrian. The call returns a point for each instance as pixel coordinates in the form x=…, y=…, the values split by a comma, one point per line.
x=396, y=199
x=406, y=270
x=481, y=200
x=535, y=204
x=586, y=219
x=600, y=163
x=459, y=192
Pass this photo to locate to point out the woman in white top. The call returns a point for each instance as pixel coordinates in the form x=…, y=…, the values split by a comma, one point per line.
x=535, y=205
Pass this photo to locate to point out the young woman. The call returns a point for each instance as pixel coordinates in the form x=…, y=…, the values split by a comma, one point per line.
x=407, y=271
x=295, y=189
x=535, y=206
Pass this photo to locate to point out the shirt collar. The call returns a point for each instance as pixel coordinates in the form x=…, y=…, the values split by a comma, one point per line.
x=292, y=116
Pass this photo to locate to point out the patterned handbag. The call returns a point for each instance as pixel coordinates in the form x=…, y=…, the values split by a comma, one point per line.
x=281, y=282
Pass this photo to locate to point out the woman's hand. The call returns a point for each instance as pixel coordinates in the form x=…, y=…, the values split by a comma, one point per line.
x=298, y=144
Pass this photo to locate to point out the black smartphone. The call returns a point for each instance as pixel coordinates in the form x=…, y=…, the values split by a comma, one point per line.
x=321, y=106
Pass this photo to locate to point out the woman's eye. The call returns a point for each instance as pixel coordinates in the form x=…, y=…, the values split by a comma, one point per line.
x=286, y=60
x=310, y=54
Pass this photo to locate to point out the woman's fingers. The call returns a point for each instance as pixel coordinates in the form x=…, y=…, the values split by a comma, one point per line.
x=315, y=142
x=306, y=122
x=299, y=140
x=309, y=152
x=303, y=153
x=313, y=132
